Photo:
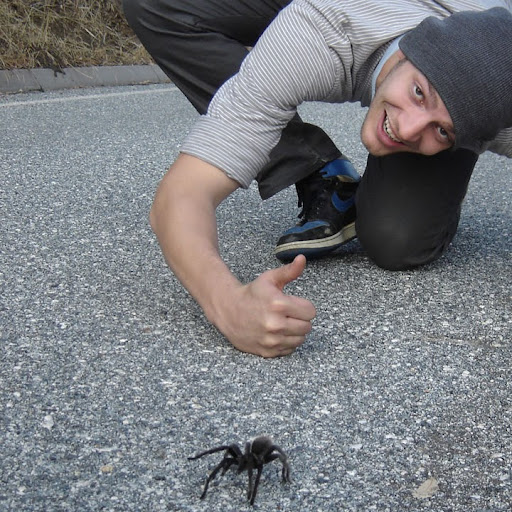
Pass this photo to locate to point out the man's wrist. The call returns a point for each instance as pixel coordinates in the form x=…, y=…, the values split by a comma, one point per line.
x=218, y=303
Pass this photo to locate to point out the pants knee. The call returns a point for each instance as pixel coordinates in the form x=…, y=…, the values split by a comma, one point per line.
x=396, y=247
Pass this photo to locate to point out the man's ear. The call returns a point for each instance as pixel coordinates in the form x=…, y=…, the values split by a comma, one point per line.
x=400, y=54
x=397, y=57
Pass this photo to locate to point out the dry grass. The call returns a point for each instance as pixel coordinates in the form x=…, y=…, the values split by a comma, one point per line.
x=63, y=33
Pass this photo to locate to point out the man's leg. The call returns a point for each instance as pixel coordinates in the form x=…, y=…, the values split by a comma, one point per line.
x=408, y=206
x=200, y=44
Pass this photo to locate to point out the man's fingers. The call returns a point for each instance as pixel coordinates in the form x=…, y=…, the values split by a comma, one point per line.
x=295, y=327
x=299, y=308
x=280, y=326
x=289, y=272
x=290, y=305
x=285, y=346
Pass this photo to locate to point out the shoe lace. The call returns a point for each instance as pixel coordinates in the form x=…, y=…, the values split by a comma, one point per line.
x=313, y=193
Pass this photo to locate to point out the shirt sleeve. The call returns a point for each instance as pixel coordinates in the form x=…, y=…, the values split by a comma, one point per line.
x=290, y=64
x=502, y=144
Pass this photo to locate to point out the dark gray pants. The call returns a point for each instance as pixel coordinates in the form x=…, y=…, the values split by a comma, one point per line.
x=408, y=206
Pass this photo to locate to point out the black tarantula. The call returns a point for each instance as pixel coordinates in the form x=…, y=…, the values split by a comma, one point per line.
x=258, y=452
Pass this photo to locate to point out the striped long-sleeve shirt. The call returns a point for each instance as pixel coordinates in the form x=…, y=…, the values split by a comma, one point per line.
x=314, y=50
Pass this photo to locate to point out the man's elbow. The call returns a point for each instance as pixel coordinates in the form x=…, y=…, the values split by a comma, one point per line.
x=153, y=217
x=156, y=212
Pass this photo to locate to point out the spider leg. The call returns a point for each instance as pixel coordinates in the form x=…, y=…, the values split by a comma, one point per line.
x=229, y=462
x=249, y=490
x=213, y=450
x=281, y=455
x=232, y=456
x=286, y=471
x=223, y=465
x=256, y=484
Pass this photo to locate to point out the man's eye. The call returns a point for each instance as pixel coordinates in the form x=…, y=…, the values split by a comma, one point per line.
x=443, y=132
x=444, y=135
x=418, y=92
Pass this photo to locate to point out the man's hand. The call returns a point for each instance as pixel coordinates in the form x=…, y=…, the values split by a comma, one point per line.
x=261, y=319
x=257, y=317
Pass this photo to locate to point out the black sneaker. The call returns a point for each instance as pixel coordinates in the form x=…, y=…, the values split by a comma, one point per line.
x=328, y=212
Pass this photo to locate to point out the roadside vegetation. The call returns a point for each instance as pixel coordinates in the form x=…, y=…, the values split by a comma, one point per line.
x=64, y=33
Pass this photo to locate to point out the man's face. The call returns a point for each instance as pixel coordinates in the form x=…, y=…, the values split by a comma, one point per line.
x=406, y=114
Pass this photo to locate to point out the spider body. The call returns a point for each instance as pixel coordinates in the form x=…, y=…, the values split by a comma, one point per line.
x=258, y=452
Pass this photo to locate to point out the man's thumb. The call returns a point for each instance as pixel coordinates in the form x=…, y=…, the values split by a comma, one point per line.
x=288, y=273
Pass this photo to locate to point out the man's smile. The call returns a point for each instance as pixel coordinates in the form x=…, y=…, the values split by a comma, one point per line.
x=389, y=131
x=386, y=135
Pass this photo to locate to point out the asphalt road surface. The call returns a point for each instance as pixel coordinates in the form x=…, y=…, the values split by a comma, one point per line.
x=110, y=376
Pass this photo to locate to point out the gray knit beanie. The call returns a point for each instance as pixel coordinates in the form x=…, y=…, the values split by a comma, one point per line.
x=467, y=57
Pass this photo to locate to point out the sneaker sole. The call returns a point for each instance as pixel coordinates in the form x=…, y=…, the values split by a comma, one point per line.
x=318, y=247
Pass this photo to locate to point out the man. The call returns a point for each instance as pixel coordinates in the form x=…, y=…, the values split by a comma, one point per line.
x=438, y=89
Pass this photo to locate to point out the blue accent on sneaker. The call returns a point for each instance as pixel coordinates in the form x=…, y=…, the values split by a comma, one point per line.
x=339, y=204
x=340, y=167
x=305, y=227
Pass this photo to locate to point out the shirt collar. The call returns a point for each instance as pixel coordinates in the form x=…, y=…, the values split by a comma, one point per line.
x=392, y=48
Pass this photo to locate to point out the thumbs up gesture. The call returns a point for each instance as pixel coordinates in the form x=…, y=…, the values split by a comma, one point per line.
x=261, y=319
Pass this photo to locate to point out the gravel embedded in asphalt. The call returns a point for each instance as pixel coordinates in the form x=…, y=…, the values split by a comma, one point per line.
x=111, y=377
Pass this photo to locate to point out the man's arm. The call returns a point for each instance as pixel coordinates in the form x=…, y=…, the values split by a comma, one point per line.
x=257, y=317
x=502, y=144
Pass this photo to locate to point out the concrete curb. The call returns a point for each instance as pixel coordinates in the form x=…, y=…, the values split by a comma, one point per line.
x=27, y=80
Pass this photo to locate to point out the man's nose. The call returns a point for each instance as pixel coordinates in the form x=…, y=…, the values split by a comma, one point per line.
x=412, y=125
